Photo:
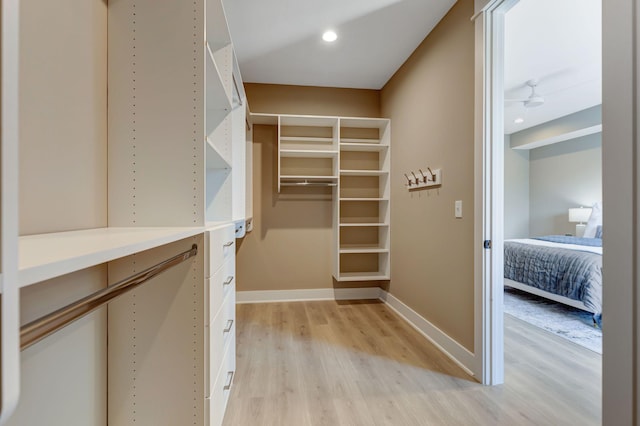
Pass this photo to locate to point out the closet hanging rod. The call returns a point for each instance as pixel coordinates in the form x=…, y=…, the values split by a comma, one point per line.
x=42, y=327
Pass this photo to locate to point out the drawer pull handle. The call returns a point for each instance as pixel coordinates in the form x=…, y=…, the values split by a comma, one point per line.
x=228, y=280
x=229, y=381
x=229, y=325
x=229, y=244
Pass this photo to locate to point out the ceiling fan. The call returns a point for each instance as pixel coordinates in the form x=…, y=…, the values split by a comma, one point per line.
x=534, y=100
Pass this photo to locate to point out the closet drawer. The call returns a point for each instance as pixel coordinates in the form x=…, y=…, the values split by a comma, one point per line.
x=222, y=333
x=222, y=245
x=220, y=285
x=217, y=402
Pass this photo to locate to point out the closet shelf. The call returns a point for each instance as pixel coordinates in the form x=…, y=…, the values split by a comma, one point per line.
x=363, y=172
x=217, y=95
x=308, y=153
x=305, y=139
x=214, y=158
x=363, y=147
x=356, y=250
x=363, y=276
x=359, y=141
x=364, y=199
x=47, y=256
x=284, y=178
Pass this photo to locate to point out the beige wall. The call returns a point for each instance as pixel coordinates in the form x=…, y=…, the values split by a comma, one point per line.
x=291, y=244
x=279, y=99
x=430, y=101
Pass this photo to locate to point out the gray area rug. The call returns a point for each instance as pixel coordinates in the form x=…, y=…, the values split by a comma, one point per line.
x=565, y=321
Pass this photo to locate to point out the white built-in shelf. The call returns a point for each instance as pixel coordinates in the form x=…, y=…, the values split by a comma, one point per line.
x=363, y=250
x=363, y=147
x=363, y=276
x=308, y=153
x=308, y=177
x=305, y=139
x=214, y=158
x=359, y=141
x=363, y=172
x=368, y=224
x=363, y=199
x=47, y=256
x=218, y=98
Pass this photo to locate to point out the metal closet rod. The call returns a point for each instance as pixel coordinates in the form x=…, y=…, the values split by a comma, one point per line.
x=42, y=327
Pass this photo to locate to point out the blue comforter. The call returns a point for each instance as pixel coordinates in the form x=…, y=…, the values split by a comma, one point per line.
x=570, y=273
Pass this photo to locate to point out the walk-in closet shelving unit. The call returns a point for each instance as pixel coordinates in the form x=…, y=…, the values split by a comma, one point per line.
x=307, y=151
x=169, y=125
x=362, y=211
x=353, y=156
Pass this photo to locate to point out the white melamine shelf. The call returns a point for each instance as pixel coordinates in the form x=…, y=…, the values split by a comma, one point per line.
x=308, y=153
x=307, y=177
x=363, y=172
x=357, y=250
x=305, y=139
x=348, y=224
x=363, y=147
x=360, y=141
x=214, y=158
x=362, y=276
x=217, y=96
x=47, y=256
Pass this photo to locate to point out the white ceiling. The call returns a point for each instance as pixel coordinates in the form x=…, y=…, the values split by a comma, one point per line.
x=279, y=41
x=558, y=42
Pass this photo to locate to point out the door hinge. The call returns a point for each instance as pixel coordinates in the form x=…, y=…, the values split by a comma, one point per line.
x=487, y=244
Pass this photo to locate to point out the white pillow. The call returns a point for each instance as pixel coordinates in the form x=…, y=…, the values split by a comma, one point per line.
x=594, y=221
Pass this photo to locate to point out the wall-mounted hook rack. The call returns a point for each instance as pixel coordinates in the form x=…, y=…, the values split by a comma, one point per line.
x=428, y=180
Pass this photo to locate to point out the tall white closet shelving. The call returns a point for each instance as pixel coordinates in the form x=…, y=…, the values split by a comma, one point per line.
x=351, y=155
x=175, y=132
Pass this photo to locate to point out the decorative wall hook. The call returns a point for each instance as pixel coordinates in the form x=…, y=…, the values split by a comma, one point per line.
x=427, y=180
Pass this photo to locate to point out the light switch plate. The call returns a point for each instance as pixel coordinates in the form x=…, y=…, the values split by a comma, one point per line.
x=458, y=208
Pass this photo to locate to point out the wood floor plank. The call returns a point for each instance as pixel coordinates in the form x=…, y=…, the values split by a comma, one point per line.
x=359, y=363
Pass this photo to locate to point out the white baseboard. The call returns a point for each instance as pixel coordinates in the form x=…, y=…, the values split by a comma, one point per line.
x=458, y=353
x=454, y=350
x=267, y=296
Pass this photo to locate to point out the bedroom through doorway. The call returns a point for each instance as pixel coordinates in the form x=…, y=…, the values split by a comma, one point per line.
x=553, y=170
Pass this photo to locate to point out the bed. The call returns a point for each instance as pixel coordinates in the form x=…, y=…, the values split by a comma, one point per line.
x=565, y=269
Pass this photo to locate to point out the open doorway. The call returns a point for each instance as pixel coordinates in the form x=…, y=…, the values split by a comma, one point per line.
x=490, y=153
x=553, y=168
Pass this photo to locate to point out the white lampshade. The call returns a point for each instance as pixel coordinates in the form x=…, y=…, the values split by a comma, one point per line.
x=580, y=214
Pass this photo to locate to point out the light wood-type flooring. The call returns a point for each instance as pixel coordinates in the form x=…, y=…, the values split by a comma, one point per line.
x=358, y=363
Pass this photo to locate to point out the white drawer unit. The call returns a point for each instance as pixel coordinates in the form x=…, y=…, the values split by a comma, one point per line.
x=220, y=317
x=222, y=333
x=221, y=242
x=217, y=402
x=220, y=284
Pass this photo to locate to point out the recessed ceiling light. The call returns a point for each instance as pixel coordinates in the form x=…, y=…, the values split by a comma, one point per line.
x=519, y=120
x=330, y=36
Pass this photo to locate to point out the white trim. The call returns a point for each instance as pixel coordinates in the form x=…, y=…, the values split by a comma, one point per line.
x=300, y=295
x=455, y=351
x=489, y=191
x=9, y=217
